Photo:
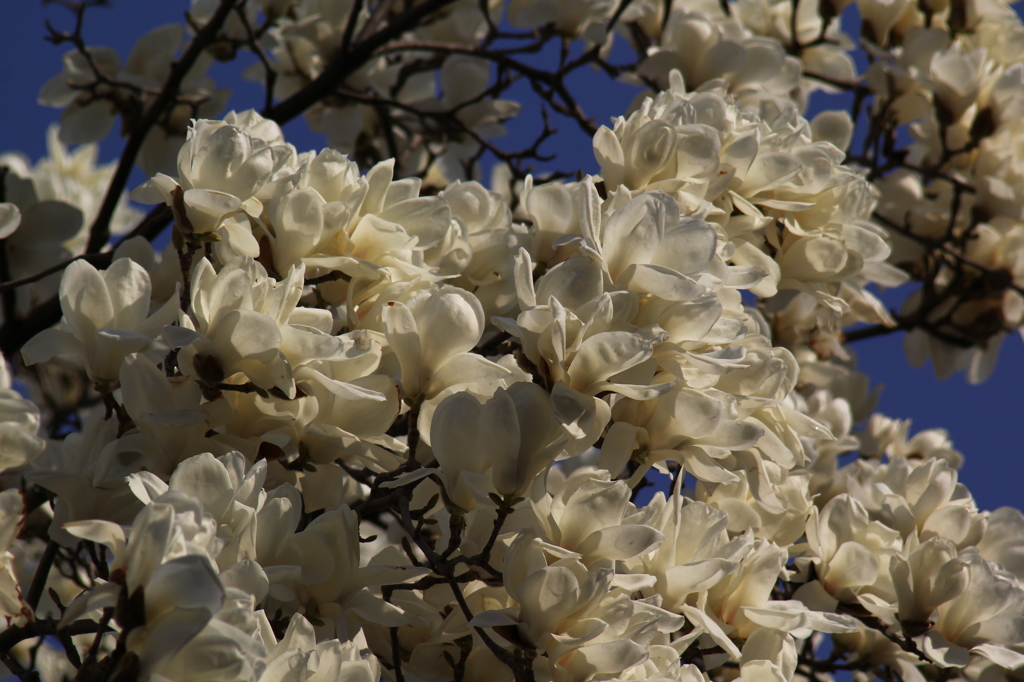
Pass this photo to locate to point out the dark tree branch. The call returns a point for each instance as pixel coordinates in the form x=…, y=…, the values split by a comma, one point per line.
x=347, y=63
x=35, y=590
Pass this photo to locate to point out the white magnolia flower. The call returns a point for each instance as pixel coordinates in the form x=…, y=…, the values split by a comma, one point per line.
x=704, y=47
x=12, y=516
x=244, y=322
x=697, y=552
x=230, y=491
x=19, y=424
x=498, y=447
x=695, y=428
x=318, y=570
x=107, y=316
x=778, y=516
x=432, y=334
x=648, y=248
x=591, y=516
x=925, y=577
x=221, y=169
x=1003, y=540
x=299, y=656
x=576, y=616
x=880, y=15
x=851, y=552
x=166, y=574
x=926, y=499
x=983, y=619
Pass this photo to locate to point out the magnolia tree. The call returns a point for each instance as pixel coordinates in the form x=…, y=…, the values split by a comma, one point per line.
x=368, y=416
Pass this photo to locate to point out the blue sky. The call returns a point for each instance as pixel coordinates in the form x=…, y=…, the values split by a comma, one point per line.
x=986, y=422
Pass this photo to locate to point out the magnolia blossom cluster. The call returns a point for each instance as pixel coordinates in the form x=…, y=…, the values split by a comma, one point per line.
x=303, y=41
x=955, y=80
x=365, y=418
x=945, y=75
x=348, y=430
x=95, y=87
x=47, y=210
x=775, y=188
